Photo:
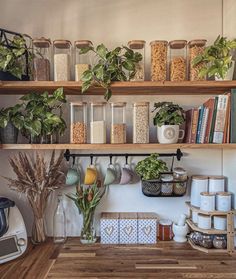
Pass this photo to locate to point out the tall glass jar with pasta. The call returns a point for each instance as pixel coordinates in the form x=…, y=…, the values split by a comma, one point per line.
x=118, y=122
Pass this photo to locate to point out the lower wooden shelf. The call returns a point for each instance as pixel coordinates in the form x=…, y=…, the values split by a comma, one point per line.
x=205, y=250
x=210, y=231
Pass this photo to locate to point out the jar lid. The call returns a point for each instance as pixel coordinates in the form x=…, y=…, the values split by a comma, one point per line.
x=83, y=43
x=118, y=104
x=179, y=170
x=166, y=177
x=198, y=42
x=223, y=193
x=216, y=177
x=136, y=44
x=41, y=42
x=98, y=103
x=200, y=177
x=177, y=44
x=207, y=194
x=137, y=104
x=78, y=103
x=165, y=222
x=158, y=42
x=62, y=43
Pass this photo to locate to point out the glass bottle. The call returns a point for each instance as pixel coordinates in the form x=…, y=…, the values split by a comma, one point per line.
x=178, y=60
x=138, y=46
x=118, y=122
x=62, y=60
x=82, y=61
x=78, y=129
x=59, y=222
x=159, y=50
x=141, y=122
x=42, y=59
x=220, y=242
x=195, y=48
x=98, y=122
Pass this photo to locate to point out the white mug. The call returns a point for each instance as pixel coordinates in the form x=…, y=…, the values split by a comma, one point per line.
x=169, y=134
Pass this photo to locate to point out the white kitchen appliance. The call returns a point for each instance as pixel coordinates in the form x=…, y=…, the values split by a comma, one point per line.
x=13, y=235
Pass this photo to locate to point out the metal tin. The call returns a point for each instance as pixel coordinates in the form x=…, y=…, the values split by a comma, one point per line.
x=207, y=201
x=199, y=184
x=204, y=221
x=223, y=201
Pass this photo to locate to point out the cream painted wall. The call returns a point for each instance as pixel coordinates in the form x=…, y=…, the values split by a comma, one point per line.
x=114, y=23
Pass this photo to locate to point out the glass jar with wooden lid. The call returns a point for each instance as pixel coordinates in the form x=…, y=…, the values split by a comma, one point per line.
x=98, y=122
x=195, y=48
x=118, y=122
x=159, y=50
x=78, y=116
x=62, y=51
x=141, y=122
x=42, y=59
x=178, y=60
x=82, y=60
x=138, y=46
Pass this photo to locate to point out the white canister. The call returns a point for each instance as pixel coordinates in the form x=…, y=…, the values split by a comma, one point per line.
x=223, y=201
x=195, y=217
x=204, y=221
x=220, y=223
x=199, y=184
x=216, y=184
x=207, y=201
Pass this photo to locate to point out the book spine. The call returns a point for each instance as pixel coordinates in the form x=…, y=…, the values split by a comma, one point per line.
x=233, y=117
x=199, y=126
x=213, y=120
x=189, y=119
x=194, y=125
x=204, y=125
x=210, y=105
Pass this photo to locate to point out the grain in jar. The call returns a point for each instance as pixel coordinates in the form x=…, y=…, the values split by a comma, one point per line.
x=138, y=46
x=141, y=122
x=159, y=51
x=62, y=60
x=98, y=122
x=178, y=60
x=118, y=122
x=78, y=131
x=82, y=60
x=196, y=47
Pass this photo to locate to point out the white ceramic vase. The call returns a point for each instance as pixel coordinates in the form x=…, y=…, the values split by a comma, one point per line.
x=180, y=233
x=168, y=134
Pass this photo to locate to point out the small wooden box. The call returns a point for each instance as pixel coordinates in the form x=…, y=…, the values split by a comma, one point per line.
x=109, y=228
x=128, y=228
x=147, y=228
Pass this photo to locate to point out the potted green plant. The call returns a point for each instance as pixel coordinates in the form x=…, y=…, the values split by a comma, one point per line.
x=43, y=116
x=11, y=121
x=118, y=64
x=167, y=119
x=217, y=59
x=13, y=65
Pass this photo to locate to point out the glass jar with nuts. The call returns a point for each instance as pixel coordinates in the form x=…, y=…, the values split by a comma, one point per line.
x=78, y=129
x=159, y=51
x=138, y=46
x=196, y=47
x=118, y=122
x=178, y=60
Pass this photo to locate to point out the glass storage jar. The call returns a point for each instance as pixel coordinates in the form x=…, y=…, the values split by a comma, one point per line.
x=138, y=46
x=196, y=47
x=42, y=59
x=82, y=60
x=141, y=122
x=118, y=122
x=178, y=60
x=180, y=174
x=62, y=60
x=98, y=122
x=78, y=129
x=167, y=184
x=220, y=242
x=159, y=50
x=206, y=241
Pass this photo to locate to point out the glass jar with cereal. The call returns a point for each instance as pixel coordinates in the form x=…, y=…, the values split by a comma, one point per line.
x=118, y=122
x=78, y=130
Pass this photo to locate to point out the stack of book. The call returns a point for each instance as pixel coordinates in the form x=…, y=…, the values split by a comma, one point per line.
x=213, y=121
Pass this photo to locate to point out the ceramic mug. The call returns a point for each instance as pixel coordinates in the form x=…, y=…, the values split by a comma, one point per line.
x=110, y=176
x=73, y=175
x=126, y=175
x=91, y=175
x=168, y=134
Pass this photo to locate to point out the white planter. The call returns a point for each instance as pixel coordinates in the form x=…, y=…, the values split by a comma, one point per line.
x=229, y=75
x=168, y=134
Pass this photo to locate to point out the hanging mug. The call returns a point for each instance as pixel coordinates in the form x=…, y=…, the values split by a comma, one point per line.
x=126, y=174
x=110, y=176
x=72, y=175
x=91, y=174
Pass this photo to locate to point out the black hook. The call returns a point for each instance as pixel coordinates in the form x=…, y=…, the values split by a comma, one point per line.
x=110, y=159
x=172, y=163
x=126, y=159
x=91, y=159
x=73, y=160
x=179, y=154
x=67, y=155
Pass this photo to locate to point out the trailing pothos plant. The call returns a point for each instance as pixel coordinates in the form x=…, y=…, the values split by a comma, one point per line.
x=217, y=58
x=118, y=64
x=168, y=114
x=12, y=115
x=12, y=56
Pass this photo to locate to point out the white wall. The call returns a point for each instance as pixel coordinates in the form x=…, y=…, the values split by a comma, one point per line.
x=115, y=23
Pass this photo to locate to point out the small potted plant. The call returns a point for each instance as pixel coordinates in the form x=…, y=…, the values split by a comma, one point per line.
x=168, y=118
x=217, y=59
x=11, y=121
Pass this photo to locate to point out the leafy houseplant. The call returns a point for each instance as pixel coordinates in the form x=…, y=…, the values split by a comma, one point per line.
x=12, y=58
x=118, y=64
x=217, y=58
x=43, y=115
x=151, y=167
x=87, y=199
x=11, y=121
x=167, y=119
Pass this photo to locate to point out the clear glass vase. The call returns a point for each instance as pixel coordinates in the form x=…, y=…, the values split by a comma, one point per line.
x=88, y=234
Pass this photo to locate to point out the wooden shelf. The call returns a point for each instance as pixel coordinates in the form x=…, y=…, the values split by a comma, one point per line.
x=211, y=213
x=121, y=88
x=210, y=231
x=205, y=250
x=127, y=146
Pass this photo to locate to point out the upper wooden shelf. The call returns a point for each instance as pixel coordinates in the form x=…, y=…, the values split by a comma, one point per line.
x=121, y=88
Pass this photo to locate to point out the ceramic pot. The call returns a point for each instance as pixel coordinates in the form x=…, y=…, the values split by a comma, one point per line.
x=168, y=134
x=180, y=233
